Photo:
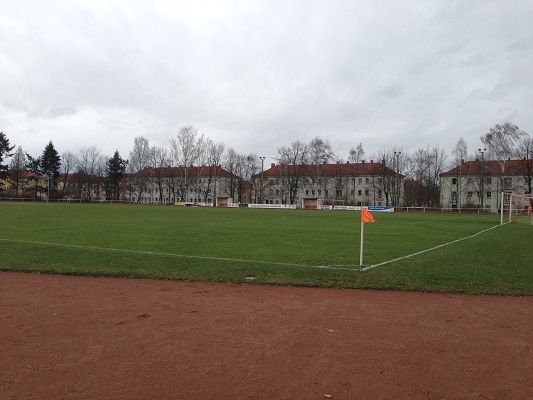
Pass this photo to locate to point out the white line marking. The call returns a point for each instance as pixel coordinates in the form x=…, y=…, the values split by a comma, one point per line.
x=431, y=249
x=153, y=253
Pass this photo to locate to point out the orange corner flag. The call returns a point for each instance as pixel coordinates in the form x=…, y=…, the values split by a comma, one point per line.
x=366, y=216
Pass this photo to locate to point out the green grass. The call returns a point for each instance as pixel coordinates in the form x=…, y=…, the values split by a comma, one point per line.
x=274, y=246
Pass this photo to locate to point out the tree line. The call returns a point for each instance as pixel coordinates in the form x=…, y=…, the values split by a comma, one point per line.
x=87, y=168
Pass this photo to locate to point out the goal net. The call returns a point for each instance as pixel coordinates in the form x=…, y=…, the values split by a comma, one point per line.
x=517, y=208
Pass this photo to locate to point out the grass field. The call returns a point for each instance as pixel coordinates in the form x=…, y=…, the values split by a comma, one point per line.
x=283, y=247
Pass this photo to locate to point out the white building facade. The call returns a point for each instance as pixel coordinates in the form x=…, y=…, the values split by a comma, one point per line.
x=358, y=184
x=479, y=184
x=209, y=185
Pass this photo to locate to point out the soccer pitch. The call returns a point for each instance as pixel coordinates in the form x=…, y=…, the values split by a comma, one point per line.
x=467, y=253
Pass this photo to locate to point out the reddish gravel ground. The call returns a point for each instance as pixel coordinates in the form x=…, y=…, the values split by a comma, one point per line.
x=106, y=338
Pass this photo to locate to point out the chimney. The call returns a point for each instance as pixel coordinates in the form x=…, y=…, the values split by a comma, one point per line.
x=272, y=165
x=462, y=160
x=371, y=161
x=383, y=162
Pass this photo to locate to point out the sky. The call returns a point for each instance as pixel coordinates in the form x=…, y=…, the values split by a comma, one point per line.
x=258, y=75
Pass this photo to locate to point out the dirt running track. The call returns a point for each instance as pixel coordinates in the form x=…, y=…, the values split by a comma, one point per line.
x=104, y=338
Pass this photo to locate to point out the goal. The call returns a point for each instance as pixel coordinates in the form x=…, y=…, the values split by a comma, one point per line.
x=329, y=204
x=516, y=208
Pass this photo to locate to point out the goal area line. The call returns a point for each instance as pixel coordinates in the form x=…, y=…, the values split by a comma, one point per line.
x=428, y=250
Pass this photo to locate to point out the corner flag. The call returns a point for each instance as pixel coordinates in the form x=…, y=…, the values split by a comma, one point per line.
x=365, y=217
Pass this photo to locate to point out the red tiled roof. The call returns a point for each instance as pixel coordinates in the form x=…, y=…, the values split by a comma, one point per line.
x=489, y=167
x=344, y=169
x=202, y=172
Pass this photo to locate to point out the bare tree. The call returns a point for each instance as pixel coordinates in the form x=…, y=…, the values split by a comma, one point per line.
x=524, y=153
x=428, y=164
x=459, y=152
x=500, y=140
x=252, y=167
x=292, y=160
x=68, y=165
x=17, y=169
x=90, y=169
x=393, y=162
x=318, y=152
x=139, y=160
x=357, y=154
x=212, y=157
x=139, y=155
x=187, y=148
x=232, y=161
x=159, y=163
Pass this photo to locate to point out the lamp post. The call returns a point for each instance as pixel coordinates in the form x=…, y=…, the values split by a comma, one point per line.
x=482, y=152
x=397, y=200
x=325, y=179
x=48, y=195
x=261, y=187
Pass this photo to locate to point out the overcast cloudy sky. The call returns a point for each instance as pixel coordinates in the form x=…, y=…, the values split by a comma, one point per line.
x=260, y=74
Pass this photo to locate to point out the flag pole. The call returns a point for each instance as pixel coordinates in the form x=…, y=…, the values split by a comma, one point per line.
x=365, y=217
x=361, y=250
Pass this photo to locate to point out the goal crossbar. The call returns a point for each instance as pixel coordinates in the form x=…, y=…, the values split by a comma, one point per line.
x=519, y=207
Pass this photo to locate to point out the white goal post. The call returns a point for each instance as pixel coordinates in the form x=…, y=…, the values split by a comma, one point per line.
x=516, y=208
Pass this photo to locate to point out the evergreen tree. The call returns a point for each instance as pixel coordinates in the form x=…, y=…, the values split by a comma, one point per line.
x=115, y=168
x=50, y=164
x=5, y=149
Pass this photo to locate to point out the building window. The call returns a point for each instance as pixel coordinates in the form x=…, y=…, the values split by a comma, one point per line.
x=470, y=194
x=489, y=195
x=306, y=192
x=339, y=192
x=359, y=192
x=367, y=180
x=488, y=180
x=353, y=192
x=507, y=183
x=454, y=181
x=380, y=194
x=360, y=180
x=367, y=192
x=470, y=180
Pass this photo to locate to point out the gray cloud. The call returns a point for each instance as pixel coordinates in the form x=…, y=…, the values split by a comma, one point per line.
x=259, y=74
